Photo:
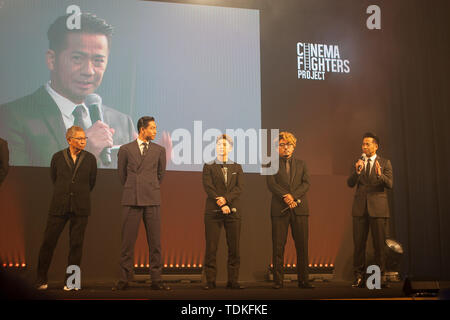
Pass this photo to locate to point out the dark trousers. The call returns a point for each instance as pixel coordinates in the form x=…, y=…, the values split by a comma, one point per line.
x=299, y=229
x=132, y=217
x=213, y=226
x=379, y=228
x=55, y=225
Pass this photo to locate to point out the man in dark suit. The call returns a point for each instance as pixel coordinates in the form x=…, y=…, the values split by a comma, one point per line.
x=372, y=176
x=141, y=167
x=73, y=172
x=223, y=183
x=34, y=125
x=289, y=206
x=4, y=160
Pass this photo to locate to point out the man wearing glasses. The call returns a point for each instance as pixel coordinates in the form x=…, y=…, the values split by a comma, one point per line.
x=73, y=172
x=289, y=206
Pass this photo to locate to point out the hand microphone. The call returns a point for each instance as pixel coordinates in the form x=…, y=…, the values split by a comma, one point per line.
x=234, y=210
x=94, y=103
x=298, y=202
x=363, y=158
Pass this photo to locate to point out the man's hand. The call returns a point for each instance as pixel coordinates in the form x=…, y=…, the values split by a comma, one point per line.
x=293, y=204
x=288, y=199
x=377, y=168
x=226, y=210
x=359, y=166
x=100, y=136
x=220, y=201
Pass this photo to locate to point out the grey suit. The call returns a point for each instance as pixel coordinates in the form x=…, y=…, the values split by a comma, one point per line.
x=141, y=177
x=34, y=128
x=370, y=210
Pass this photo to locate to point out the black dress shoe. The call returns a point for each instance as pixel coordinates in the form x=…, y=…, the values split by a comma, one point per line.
x=159, y=286
x=358, y=283
x=277, y=285
x=305, y=285
x=121, y=285
x=234, y=285
x=209, y=286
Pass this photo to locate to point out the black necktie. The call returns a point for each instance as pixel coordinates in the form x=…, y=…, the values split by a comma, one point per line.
x=288, y=169
x=144, y=151
x=78, y=117
x=368, y=167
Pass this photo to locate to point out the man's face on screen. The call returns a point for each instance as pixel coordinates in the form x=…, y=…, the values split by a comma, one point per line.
x=78, y=69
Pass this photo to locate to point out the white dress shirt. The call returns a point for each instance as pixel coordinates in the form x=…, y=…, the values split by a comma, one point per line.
x=67, y=107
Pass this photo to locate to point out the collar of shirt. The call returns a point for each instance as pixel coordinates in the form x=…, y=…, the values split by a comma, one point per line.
x=140, y=142
x=67, y=107
x=372, y=160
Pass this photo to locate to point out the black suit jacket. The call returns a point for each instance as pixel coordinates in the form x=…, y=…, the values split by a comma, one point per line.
x=67, y=184
x=214, y=185
x=4, y=160
x=35, y=130
x=141, y=176
x=373, y=190
x=298, y=185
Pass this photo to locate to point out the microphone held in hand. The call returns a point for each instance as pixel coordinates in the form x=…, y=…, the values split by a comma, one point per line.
x=363, y=158
x=94, y=103
x=233, y=210
x=287, y=208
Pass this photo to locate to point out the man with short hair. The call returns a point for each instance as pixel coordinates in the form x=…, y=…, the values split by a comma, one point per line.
x=73, y=172
x=223, y=181
x=34, y=125
x=372, y=175
x=289, y=207
x=141, y=167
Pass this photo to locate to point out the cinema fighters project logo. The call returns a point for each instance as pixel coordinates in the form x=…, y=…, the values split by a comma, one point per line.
x=314, y=60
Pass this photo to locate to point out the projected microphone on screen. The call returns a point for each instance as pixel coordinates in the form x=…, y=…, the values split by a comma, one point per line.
x=94, y=103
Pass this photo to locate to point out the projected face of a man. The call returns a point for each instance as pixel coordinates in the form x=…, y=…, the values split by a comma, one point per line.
x=78, y=69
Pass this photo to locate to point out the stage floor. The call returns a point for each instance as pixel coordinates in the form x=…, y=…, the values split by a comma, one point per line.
x=253, y=291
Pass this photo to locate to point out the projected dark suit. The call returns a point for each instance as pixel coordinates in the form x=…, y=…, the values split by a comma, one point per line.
x=73, y=183
x=34, y=128
x=297, y=185
x=4, y=160
x=141, y=177
x=370, y=209
x=215, y=186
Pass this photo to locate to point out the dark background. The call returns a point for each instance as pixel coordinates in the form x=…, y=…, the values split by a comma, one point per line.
x=397, y=87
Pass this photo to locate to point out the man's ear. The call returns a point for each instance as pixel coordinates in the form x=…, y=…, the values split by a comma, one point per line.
x=50, y=57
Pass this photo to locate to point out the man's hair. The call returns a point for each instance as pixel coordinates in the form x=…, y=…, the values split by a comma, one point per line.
x=289, y=137
x=143, y=122
x=226, y=137
x=57, y=33
x=71, y=131
x=373, y=136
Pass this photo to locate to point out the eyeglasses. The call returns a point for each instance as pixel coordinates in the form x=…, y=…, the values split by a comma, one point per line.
x=80, y=139
x=289, y=145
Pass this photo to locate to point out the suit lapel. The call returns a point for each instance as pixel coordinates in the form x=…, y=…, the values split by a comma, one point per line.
x=66, y=157
x=136, y=152
x=293, y=170
x=82, y=155
x=51, y=116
